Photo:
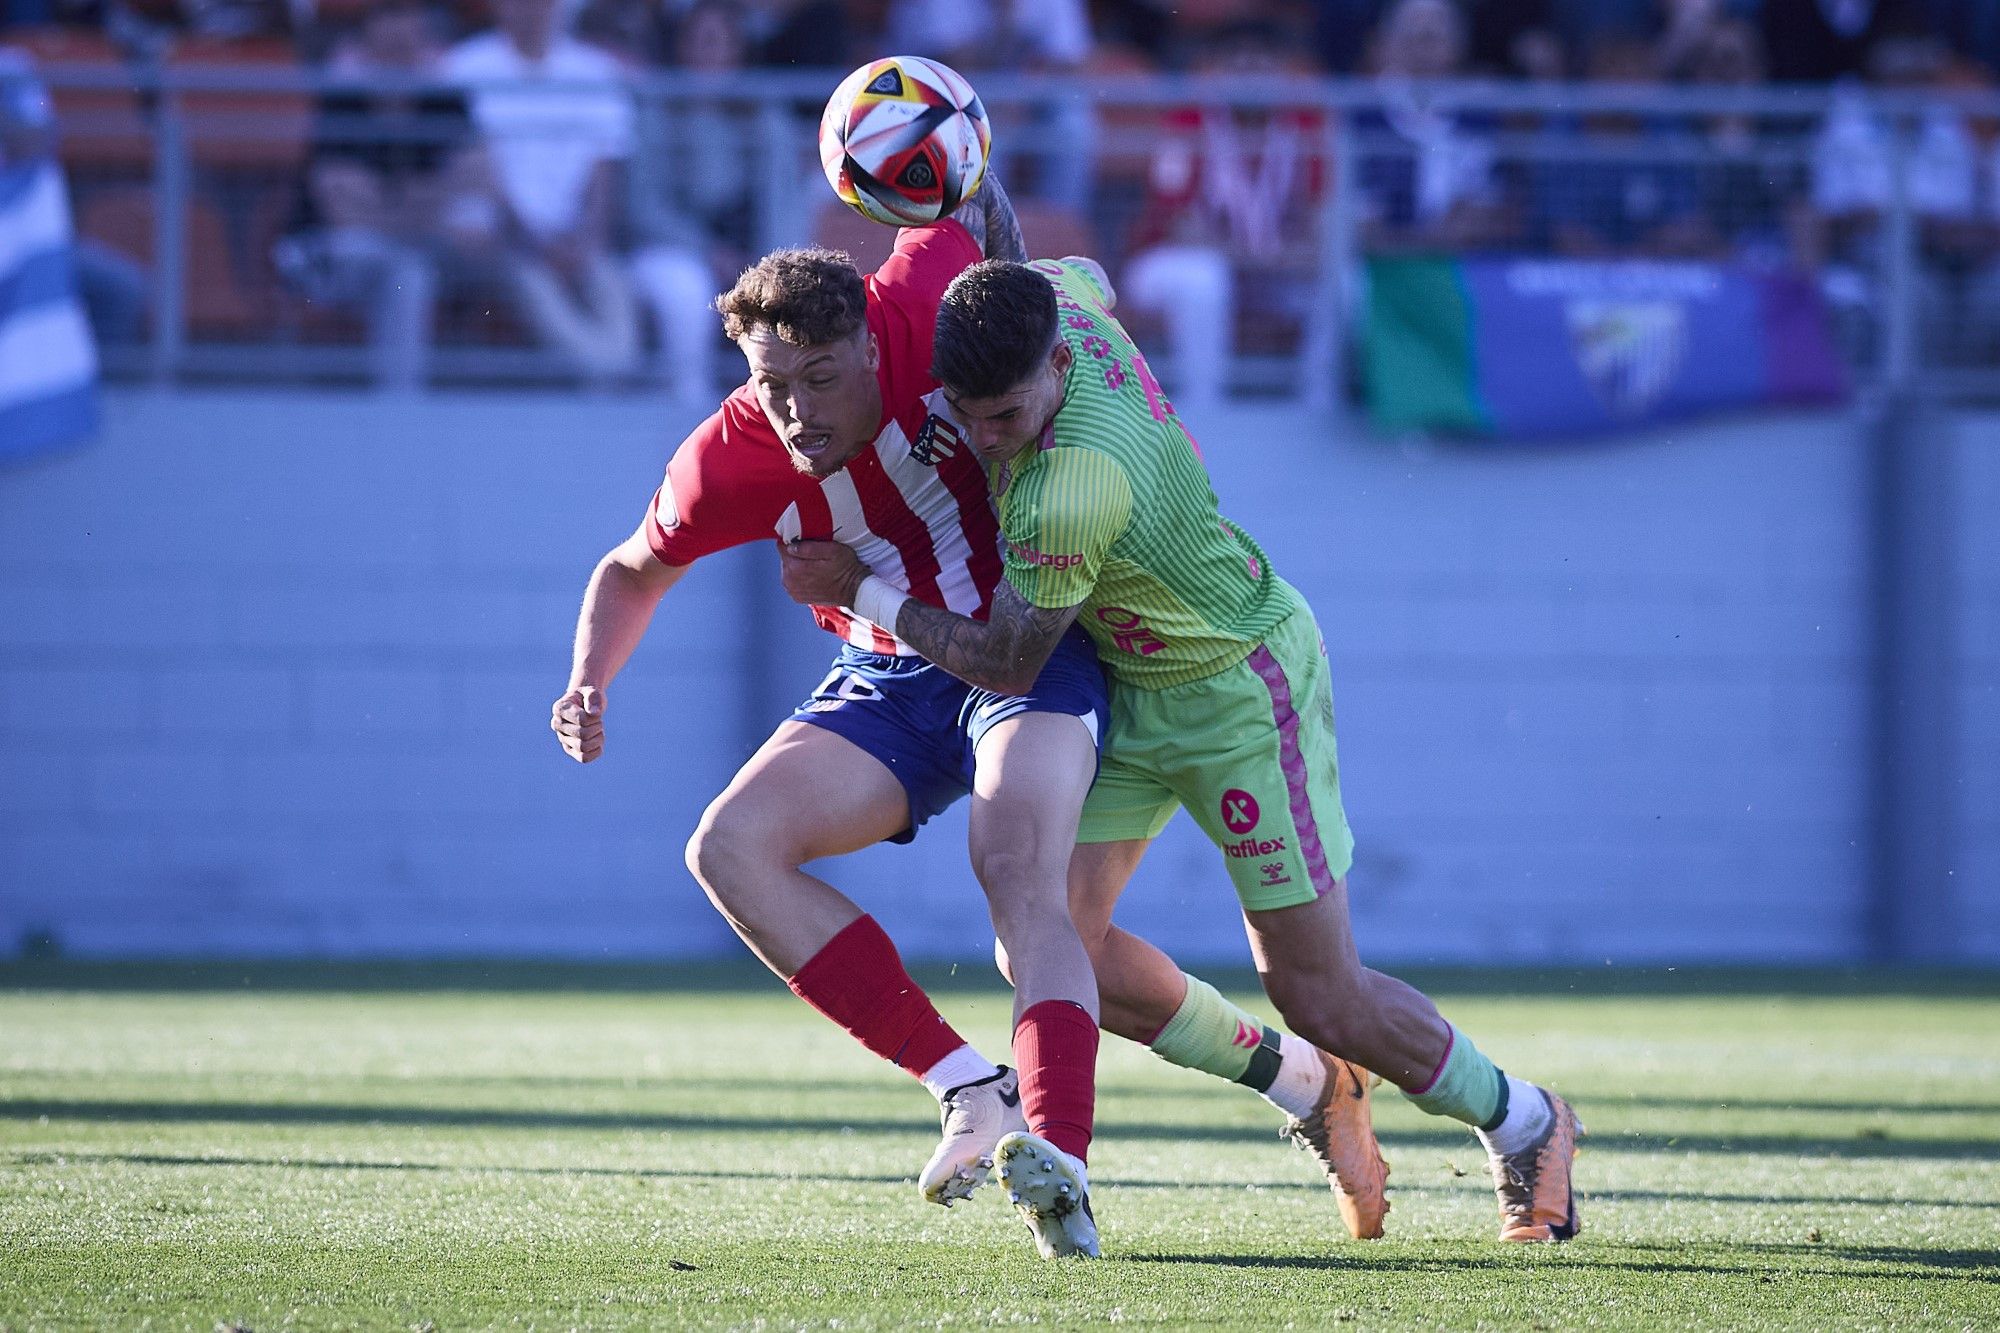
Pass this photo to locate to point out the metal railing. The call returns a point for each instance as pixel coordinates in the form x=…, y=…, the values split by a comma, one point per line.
x=199, y=168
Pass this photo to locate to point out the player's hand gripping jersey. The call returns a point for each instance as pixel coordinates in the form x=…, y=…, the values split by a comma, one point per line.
x=1114, y=510
x=909, y=504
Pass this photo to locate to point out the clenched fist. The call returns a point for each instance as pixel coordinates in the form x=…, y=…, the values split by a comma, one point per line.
x=578, y=722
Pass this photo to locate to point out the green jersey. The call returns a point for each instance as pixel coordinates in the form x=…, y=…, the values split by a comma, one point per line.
x=1114, y=510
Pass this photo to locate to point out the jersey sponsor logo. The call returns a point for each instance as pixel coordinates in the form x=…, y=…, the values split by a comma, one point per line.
x=1240, y=813
x=937, y=440
x=1249, y=847
x=1130, y=635
x=1028, y=555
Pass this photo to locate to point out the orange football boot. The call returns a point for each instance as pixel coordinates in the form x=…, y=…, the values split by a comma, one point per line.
x=1340, y=1133
x=1536, y=1201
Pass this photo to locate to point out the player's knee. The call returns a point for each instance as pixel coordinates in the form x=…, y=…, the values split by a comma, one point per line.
x=1015, y=871
x=729, y=843
x=1021, y=892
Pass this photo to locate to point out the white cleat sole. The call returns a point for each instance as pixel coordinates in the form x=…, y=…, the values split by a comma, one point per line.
x=1042, y=1185
x=961, y=1183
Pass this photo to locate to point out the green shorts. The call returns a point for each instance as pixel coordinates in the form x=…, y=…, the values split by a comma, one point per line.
x=1249, y=751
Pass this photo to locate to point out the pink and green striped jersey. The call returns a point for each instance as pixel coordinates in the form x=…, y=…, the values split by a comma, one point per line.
x=1114, y=510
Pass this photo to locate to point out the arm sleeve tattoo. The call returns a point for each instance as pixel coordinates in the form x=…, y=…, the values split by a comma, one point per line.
x=1005, y=653
x=989, y=216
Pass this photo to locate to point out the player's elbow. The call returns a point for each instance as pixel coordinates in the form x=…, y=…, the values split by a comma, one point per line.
x=1014, y=680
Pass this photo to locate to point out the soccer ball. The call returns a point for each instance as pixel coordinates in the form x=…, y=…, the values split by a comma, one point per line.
x=904, y=141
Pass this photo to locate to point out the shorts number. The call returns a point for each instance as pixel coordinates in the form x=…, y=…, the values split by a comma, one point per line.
x=846, y=685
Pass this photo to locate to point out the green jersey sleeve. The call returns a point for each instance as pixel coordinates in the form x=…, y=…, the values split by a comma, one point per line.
x=1060, y=518
x=1078, y=280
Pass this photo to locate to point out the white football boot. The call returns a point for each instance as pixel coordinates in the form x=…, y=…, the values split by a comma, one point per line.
x=1052, y=1191
x=976, y=1117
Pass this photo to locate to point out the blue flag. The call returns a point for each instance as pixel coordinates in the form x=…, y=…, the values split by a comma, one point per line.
x=1519, y=348
x=48, y=363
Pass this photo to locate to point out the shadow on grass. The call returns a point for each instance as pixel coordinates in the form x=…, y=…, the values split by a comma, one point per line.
x=1900, y=1262
x=1106, y=1182
x=730, y=975
x=1816, y=1106
x=561, y=1172
x=1955, y=1260
x=1868, y=1144
x=1587, y=1100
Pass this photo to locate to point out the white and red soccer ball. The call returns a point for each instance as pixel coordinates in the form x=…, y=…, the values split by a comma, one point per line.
x=904, y=141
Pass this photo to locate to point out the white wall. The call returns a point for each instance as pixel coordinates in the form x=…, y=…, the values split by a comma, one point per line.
x=275, y=672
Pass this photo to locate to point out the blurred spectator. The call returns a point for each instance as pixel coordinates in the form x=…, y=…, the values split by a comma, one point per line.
x=554, y=124
x=149, y=27
x=1853, y=185
x=692, y=206
x=1230, y=220
x=383, y=171
x=1623, y=183
x=638, y=32
x=1817, y=41
x=1509, y=38
x=1425, y=170
x=1037, y=36
x=1687, y=28
x=1747, y=198
x=1970, y=27
x=822, y=34
x=1140, y=25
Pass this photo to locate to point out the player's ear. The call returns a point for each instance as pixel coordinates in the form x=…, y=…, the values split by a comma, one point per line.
x=872, y=354
x=1061, y=358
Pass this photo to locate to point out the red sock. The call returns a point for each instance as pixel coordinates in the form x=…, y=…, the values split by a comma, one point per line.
x=1055, y=1045
x=858, y=981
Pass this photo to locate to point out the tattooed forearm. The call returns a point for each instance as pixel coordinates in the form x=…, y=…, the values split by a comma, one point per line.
x=972, y=216
x=1003, y=226
x=989, y=216
x=1005, y=653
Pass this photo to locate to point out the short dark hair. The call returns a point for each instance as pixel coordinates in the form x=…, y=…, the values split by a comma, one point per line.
x=807, y=297
x=996, y=322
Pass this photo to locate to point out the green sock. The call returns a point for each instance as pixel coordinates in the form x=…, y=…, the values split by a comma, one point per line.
x=1467, y=1086
x=1210, y=1034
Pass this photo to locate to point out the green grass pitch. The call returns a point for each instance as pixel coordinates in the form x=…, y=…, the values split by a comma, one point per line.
x=354, y=1152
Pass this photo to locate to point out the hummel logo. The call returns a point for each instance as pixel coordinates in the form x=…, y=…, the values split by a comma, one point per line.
x=1010, y=1098
x=1246, y=1036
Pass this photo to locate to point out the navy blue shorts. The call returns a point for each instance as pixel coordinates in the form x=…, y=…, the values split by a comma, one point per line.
x=925, y=723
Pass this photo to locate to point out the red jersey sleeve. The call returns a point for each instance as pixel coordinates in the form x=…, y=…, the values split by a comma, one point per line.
x=716, y=494
x=903, y=301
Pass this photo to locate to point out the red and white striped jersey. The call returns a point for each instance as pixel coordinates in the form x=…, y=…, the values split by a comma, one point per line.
x=913, y=503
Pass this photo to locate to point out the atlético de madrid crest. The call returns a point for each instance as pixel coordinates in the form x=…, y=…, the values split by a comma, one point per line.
x=936, y=441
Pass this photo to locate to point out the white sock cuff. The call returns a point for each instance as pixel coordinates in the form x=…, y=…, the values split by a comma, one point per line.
x=1301, y=1077
x=1527, y=1118
x=964, y=1065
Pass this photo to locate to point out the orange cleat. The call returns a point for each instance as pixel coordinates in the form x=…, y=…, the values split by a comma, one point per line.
x=1340, y=1133
x=1536, y=1201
